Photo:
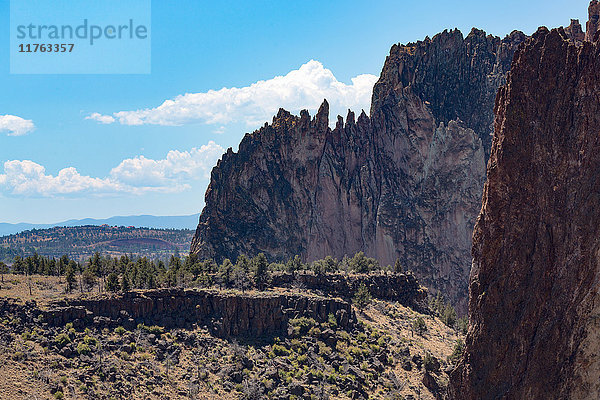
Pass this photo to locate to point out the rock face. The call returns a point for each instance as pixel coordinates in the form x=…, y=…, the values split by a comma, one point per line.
x=575, y=32
x=594, y=22
x=404, y=183
x=402, y=288
x=226, y=315
x=534, y=300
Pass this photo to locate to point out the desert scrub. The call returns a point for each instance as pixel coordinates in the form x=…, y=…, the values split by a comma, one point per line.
x=119, y=330
x=419, y=326
x=298, y=346
x=280, y=350
x=90, y=341
x=323, y=348
x=331, y=321
x=154, y=329
x=61, y=340
x=83, y=348
x=301, y=326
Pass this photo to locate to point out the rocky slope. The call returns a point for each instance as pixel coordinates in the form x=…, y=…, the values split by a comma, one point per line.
x=534, y=299
x=404, y=183
x=210, y=344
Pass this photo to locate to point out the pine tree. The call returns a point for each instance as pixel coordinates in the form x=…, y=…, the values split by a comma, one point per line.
x=224, y=274
x=3, y=270
x=112, y=282
x=260, y=267
x=88, y=279
x=70, y=278
x=125, y=284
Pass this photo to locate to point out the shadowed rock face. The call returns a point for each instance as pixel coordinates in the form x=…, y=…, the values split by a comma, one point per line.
x=594, y=22
x=225, y=314
x=534, y=301
x=404, y=183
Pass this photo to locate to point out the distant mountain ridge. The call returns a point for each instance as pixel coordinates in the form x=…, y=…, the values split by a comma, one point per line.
x=146, y=221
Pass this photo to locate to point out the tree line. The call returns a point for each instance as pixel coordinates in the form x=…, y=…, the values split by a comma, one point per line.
x=124, y=273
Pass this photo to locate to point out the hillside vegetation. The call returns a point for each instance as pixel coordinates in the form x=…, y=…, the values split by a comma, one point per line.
x=80, y=242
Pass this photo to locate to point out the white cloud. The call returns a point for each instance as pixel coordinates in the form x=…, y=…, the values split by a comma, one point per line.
x=305, y=87
x=15, y=126
x=103, y=119
x=178, y=166
x=29, y=178
x=132, y=176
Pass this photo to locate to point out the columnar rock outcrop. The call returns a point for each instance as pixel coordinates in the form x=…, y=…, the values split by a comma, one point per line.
x=534, y=300
x=402, y=288
x=404, y=183
x=224, y=314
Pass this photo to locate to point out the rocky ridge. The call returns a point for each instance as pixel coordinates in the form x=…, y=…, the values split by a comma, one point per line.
x=403, y=183
x=225, y=314
x=534, y=284
x=402, y=288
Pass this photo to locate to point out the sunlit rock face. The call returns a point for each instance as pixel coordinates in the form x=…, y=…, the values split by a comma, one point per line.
x=403, y=183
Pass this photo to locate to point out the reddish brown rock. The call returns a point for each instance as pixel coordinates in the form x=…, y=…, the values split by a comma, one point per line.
x=575, y=32
x=534, y=287
x=404, y=183
x=594, y=21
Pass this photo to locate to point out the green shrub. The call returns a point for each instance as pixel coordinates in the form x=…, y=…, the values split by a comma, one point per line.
x=154, y=329
x=419, y=326
x=323, y=348
x=459, y=347
x=280, y=350
x=331, y=320
x=302, y=325
x=120, y=330
x=463, y=325
x=59, y=395
x=362, y=298
x=429, y=362
x=83, y=348
x=90, y=341
x=62, y=340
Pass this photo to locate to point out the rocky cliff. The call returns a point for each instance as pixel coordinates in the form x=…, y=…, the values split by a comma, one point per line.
x=225, y=314
x=402, y=288
x=534, y=300
x=403, y=183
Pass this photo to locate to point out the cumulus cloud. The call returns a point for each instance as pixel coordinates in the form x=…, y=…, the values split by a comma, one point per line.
x=15, y=126
x=305, y=87
x=132, y=176
x=103, y=119
x=176, y=167
x=29, y=178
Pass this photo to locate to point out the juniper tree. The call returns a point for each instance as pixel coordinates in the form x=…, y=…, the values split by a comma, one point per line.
x=3, y=270
x=112, y=282
x=362, y=297
x=260, y=268
x=70, y=278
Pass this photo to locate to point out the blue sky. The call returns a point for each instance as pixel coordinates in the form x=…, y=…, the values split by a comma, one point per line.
x=80, y=148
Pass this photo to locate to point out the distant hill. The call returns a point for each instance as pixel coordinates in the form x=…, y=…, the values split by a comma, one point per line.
x=140, y=221
x=81, y=242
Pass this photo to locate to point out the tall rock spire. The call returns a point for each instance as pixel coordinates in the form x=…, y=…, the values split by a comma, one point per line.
x=535, y=282
x=593, y=23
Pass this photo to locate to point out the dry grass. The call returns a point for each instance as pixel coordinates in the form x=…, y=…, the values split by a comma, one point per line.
x=439, y=340
x=28, y=378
